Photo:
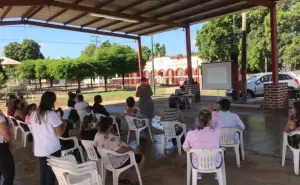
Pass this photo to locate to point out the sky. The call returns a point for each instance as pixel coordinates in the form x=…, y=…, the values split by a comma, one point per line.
x=60, y=43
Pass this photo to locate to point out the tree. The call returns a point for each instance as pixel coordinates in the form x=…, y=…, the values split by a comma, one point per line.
x=89, y=51
x=159, y=50
x=26, y=70
x=105, y=44
x=2, y=76
x=162, y=50
x=180, y=55
x=42, y=71
x=61, y=70
x=27, y=50
x=12, y=50
x=146, y=53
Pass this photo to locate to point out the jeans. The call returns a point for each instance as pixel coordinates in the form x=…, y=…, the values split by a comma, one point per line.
x=47, y=176
x=7, y=165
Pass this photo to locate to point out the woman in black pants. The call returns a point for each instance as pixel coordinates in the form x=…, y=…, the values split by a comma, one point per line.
x=46, y=128
x=7, y=166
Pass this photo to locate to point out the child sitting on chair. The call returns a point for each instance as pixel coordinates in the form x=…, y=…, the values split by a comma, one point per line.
x=204, y=137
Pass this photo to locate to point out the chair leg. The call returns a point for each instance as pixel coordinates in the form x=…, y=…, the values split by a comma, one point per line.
x=194, y=177
x=243, y=149
x=15, y=132
x=284, y=148
x=128, y=135
x=296, y=162
x=103, y=173
x=25, y=139
x=163, y=144
x=138, y=174
x=137, y=134
x=237, y=155
x=150, y=134
x=189, y=171
x=115, y=178
x=220, y=177
x=179, y=145
x=81, y=154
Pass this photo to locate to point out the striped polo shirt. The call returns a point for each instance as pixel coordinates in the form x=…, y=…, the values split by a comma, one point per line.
x=171, y=114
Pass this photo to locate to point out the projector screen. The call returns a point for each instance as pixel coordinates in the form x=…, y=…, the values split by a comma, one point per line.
x=216, y=76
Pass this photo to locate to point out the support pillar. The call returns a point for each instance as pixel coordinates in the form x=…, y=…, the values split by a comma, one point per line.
x=189, y=52
x=140, y=57
x=276, y=94
x=244, y=57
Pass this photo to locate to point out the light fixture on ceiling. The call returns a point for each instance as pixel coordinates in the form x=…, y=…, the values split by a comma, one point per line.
x=114, y=18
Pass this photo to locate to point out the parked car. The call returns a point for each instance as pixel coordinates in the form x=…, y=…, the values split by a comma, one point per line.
x=255, y=83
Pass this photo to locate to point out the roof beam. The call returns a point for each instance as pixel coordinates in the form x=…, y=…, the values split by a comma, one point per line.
x=35, y=12
x=24, y=2
x=155, y=31
x=28, y=12
x=62, y=11
x=165, y=3
x=140, y=29
x=99, y=5
x=266, y=3
x=56, y=26
x=115, y=14
x=133, y=4
x=181, y=8
x=5, y=12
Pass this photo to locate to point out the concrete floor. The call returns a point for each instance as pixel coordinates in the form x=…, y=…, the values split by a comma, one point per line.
x=263, y=143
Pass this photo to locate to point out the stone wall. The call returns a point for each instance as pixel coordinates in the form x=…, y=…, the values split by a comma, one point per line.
x=276, y=96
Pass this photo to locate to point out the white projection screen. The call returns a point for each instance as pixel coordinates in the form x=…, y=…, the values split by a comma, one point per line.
x=216, y=76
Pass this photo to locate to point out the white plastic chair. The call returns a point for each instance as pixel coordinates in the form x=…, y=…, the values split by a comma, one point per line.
x=132, y=127
x=98, y=117
x=68, y=172
x=82, y=114
x=227, y=141
x=30, y=128
x=206, y=164
x=116, y=172
x=25, y=134
x=170, y=133
x=15, y=127
x=76, y=146
x=92, y=154
x=296, y=152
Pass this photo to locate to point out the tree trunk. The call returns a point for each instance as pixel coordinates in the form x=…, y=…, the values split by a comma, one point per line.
x=123, y=81
x=51, y=83
x=78, y=84
x=91, y=82
x=35, y=84
x=40, y=81
x=66, y=85
x=105, y=83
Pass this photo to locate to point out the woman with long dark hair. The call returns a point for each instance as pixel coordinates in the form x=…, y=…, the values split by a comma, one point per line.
x=46, y=127
x=294, y=124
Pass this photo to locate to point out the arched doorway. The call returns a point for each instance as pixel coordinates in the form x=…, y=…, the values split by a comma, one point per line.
x=161, y=77
x=170, y=77
x=180, y=76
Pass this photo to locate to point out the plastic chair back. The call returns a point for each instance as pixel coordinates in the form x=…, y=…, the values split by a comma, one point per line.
x=20, y=125
x=130, y=122
x=82, y=114
x=206, y=158
x=169, y=127
x=90, y=150
x=227, y=136
x=104, y=153
x=13, y=121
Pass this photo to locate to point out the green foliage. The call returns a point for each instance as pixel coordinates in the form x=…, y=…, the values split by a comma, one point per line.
x=159, y=50
x=2, y=80
x=10, y=72
x=89, y=51
x=146, y=53
x=218, y=38
x=26, y=69
x=105, y=44
x=27, y=50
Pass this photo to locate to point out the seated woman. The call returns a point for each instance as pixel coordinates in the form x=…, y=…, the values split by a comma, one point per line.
x=73, y=114
x=10, y=104
x=89, y=130
x=100, y=109
x=294, y=124
x=173, y=113
x=19, y=114
x=71, y=100
x=31, y=108
x=229, y=119
x=204, y=137
x=131, y=110
x=105, y=139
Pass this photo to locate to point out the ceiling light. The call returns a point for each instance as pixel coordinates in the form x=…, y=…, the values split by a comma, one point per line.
x=114, y=18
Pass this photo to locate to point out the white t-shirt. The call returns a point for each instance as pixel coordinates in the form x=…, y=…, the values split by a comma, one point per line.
x=111, y=142
x=81, y=106
x=46, y=141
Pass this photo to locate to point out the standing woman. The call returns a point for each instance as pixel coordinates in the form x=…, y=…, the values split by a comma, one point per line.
x=46, y=127
x=146, y=106
x=7, y=166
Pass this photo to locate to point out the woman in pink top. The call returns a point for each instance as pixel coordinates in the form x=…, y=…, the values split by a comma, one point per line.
x=31, y=108
x=204, y=136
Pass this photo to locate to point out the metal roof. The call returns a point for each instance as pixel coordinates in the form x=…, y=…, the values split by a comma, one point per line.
x=128, y=18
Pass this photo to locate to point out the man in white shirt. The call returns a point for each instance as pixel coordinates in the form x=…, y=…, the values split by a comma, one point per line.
x=81, y=106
